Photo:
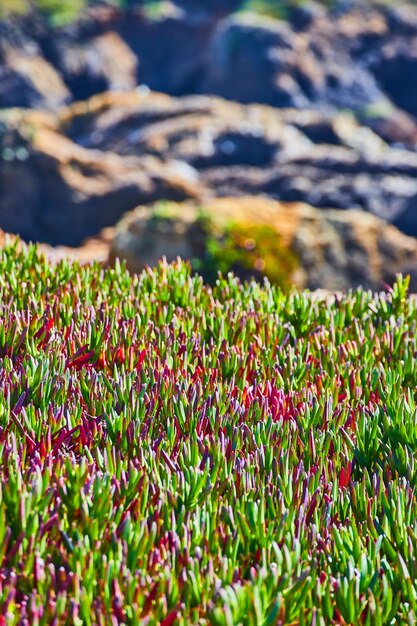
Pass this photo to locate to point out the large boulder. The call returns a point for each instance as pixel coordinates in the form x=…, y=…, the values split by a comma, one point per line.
x=290, y=243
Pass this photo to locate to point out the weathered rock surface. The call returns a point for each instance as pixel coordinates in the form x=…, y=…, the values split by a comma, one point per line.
x=58, y=192
x=337, y=249
x=26, y=78
x=259, y=59
x=91, y=65
x=324, y=159
x=97, y=159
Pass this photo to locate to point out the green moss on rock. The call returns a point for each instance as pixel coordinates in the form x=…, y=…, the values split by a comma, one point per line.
x=249, y=250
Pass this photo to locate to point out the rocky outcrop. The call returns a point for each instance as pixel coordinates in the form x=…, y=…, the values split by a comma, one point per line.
x=290, y=243
x=58, y=192
x=359, y=59
x=394, y=61
x=97, y=159
x=322, y=111
x=324, y=159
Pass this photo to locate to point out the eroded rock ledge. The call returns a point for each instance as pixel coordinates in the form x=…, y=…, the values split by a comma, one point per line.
x=89, y=163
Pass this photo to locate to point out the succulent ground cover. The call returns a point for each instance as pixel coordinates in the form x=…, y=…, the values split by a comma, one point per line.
x=173, y=453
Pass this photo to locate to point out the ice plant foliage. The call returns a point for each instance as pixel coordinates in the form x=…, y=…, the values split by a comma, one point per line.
x=175, y=454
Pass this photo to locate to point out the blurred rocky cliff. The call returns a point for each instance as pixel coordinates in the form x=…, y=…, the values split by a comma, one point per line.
x=121, y=109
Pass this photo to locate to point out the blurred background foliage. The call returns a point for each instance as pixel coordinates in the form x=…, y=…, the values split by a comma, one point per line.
x=64, y=11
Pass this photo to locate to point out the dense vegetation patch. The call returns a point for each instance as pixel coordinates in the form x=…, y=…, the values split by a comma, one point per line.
x=172, y=453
